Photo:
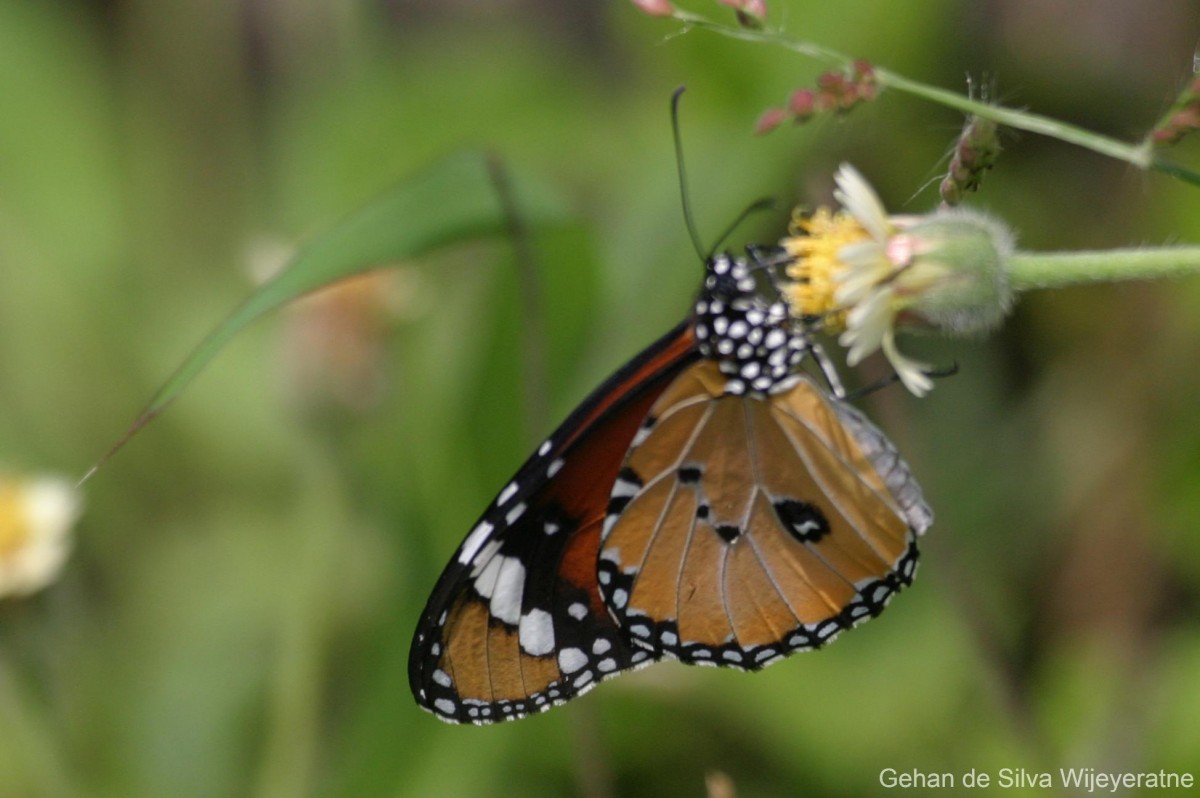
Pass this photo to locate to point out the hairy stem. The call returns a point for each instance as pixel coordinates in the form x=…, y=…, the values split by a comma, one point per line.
x=1031, y=270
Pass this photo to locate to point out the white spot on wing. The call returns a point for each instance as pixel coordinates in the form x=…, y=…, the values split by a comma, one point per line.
x=571, y=660
x=474, y=541
x=506, y=598
x=537, y=633
x=515, y=513
x=554, y=467
x=484, y=556
x=624, y=488
x=485, y=583
x=544, y=449
x=444, y=705
x=577, y=611
x=507, y=493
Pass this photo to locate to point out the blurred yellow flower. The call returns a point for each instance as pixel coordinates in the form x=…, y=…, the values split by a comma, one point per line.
x=36, y=516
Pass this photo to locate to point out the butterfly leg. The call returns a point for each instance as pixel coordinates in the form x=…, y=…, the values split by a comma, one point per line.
x=828, y=370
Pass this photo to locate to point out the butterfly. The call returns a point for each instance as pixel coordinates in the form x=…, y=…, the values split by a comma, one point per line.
x=709, y=502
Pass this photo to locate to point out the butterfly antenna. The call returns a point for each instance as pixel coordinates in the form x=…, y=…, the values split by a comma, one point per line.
x=683, y=184
x=764, y=204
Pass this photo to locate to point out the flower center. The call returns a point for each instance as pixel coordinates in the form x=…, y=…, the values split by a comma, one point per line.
x=814, y=242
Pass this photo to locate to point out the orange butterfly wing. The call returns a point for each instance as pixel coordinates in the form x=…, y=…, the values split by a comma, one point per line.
x=707, y=502
x=749, y=526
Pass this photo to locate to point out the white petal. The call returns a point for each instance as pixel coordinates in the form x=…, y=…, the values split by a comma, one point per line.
x=856, y=196
x=866, y=325
x=911, y=372
x=870, y=255
x=853, y=286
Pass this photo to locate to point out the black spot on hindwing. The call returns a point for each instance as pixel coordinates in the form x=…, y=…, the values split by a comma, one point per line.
x=728, y=532
x=804, y=521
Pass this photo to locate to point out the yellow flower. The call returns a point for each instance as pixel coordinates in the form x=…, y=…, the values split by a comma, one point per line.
x=814, y=245
x=36, y=516
x=863, y=273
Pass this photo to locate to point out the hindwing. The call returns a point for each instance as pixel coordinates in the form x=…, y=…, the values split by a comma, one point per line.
x=746, y=526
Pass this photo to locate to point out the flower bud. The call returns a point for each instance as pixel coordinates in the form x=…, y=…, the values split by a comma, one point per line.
x=655, y=8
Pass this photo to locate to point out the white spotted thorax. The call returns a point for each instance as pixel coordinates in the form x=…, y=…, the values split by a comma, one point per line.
x=752, y=339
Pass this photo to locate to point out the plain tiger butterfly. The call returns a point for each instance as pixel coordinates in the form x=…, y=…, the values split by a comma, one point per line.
x=709, y=502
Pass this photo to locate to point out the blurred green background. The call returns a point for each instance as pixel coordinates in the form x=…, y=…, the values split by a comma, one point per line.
x=237, y=613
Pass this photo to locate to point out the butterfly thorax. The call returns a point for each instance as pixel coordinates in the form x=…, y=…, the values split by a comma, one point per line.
x=753, y=340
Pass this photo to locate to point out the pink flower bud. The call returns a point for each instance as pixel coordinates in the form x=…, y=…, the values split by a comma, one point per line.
x=655, y=8
x=770, y=120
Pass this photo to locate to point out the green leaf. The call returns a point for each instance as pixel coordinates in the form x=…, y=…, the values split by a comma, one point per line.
x=465, y=196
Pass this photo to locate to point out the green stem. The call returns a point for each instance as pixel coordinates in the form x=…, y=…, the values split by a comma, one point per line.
x=1140, y=155
x=1030, y=270
x=814, y=51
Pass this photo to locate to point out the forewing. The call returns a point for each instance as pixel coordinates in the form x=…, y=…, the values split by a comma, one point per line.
x=516, y=623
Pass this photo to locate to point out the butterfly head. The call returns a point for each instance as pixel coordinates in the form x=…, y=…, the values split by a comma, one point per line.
x=744, y=326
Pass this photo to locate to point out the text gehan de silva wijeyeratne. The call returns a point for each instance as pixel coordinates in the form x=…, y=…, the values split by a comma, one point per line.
x=1085, y=779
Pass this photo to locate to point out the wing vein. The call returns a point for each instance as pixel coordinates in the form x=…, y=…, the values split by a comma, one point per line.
x=725, y=595
x=756, y=491
x=670, y=499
